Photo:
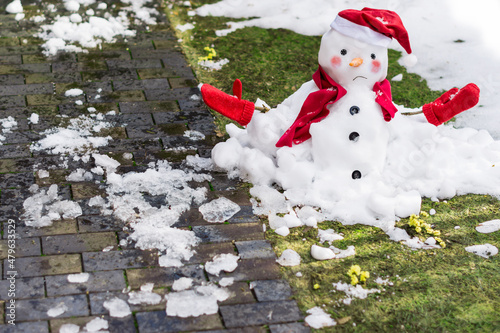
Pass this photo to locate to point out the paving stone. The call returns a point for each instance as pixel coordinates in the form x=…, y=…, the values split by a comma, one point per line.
x=9, y=50
x=26, y=89
x=86, y=190
x=25, y=247
x=148, y=107
x=12, y=59
x=16, y=137
x=97, y=282
x=36, y=309
x=252, y=269
x=23, y=179
x=115, y=325
x=245, y=215
x=240, y=294
x=226, y=233
x=241, y=315
x=99, y=223
x=61, y=77
x=163, y=276
x=12, y=101
x=193, y=104
x=151, y=321
x=290, y=328
x=14, y=151
x=156, y=131
x=173, y=94
x=78, y=243
x=106, y=261
x=11, y=79
x=97, y=302
x=255, y=249
x=182, y=83
x=12, y=41
x=26, y=327
x=254, y=329
x=206, y=252
x=141, y=119
x=176, y=117
x=132, y=145
x=116, y=54
x=34, y=100
x=24, y=68
x=271, y=290
x=57, y=228
x=136, y=63
x=24, y=288
x=110, y=75
x=46, y=265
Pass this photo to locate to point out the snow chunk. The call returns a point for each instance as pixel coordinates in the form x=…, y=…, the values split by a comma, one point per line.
x=117, y=308
x=222, y=262
x=318, y=318
x=79, y=175
x=353, y=291
x=219, y=210
x=483, y=250
x=488, y=227
x=72, y=5
x=397, y=78
x=339, y=254
x=96, y=325
x=328, y=235
x=43, y=174
x=73, y=92
x=194, y=135
x=289, y=258
x=106, y=162
x=226, y=282
x=182, y=284
x=184, y=27
x=34, y=118
x=212, y=65
x=78, y=278
x=321, y=253
x=69, y=328
x=57, y=310
x=144, y=296
x=193, y=303
x=14, y=7
x=199, y=163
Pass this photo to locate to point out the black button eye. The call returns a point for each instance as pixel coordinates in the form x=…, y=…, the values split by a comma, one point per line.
x=354, y=136
x=356, y=174
x=343, y=52
x=373, y=56
x=354, y=110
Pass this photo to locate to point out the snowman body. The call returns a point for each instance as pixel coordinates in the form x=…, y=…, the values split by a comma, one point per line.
x=351, y=141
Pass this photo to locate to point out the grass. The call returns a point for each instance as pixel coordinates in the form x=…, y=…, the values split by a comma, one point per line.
x=445, y=290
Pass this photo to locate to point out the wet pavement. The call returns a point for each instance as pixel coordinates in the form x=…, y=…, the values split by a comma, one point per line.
x=147, y=82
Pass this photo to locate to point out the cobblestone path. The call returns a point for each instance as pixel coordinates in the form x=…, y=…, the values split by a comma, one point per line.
x=147, y=81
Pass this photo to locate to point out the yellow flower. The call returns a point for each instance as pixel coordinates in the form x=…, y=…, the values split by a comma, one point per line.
x=424, y=214
x=364, y=275
x=316, y=286
x=354, y=280
x=354, y=270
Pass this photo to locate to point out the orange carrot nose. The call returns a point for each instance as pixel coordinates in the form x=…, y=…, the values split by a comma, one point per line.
x=356, y=62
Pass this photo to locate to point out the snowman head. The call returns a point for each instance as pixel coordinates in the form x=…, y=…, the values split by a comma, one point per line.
x=354, y=51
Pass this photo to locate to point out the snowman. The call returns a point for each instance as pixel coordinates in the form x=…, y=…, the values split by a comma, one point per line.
x=328, y=141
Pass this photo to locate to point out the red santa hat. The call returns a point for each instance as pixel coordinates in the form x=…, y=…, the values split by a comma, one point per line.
x=372, y=26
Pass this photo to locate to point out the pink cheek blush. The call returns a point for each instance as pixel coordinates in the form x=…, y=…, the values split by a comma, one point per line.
x=376, y=66
x=336, y=61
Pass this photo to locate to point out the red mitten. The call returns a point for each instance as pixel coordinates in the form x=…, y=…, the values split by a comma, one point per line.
x=233, y=107
x=451, y=103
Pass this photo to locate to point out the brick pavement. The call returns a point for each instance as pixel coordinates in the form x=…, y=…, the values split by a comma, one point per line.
x=148, y=82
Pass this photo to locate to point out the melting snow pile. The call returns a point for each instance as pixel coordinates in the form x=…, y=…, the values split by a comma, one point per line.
x=117, y=308
x=483, y=250
x=318, y=318
x=202, y=300
x=94, y=27
x=353, y=291
x=289, y=258
x=222, y=262
x=219, y=210
x=8, y=124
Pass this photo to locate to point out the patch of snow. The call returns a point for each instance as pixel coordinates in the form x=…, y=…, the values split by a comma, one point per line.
x=182, y=284
x=432, y=212
x=73, y=92
x=78, y=278
x=144, y=296
x=488, y=227
x=226, y=282
x=96, y=325
x=193, y=303
x=106, y=162
x=397, y=78
x=199, y=163
x=212, y=65
x=353, y=291
x=194, y=135
x=14, y=7
x=34, y=118
x=318, y=318
x=80, y=175
x=321, y=253
x=57, y=310
x=69, y=328
x=222, y=262
x=43, y=174
x=483, y=250
x=289, y=258
x=219, y=210
x=339, y=254
x=329, y=236
x=117, y=308
x=184, y=27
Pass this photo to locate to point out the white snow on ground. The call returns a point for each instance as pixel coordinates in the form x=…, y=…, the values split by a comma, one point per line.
x=58, y=310
x=97, y=324
x=78, y=278
x=339, y=254
x=226, y=282
x=488, y=227
x=321, y=253
x=73, y=92
x=329, y=236
x=182, y=284
x=194, y=135
x=34, y=118
x=184, y=27
x=483, y=250
x=318, y=318
x=219, y=210
x=69, y=328
x=442, y=61
x=199, y=163
x=7, y=125
x=212, y=65
x=14, y=7
x=117, y=308
x=226, y=262
x=289, y=258
x=193, y=303
x=45, y=206
x=79, y=175
x=353, y=291
x=77, y=138
x=144, y=296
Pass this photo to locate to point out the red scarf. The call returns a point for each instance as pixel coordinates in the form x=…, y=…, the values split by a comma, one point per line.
x=315, y=108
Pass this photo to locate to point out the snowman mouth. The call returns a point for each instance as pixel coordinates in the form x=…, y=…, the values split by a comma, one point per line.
x=360, y=77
